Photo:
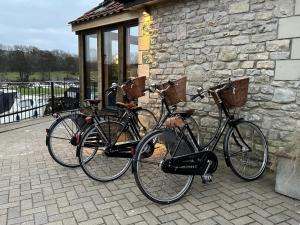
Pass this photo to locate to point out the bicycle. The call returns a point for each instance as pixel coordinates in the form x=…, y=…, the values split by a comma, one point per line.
x=64, y=134
x=166, y=175
x=106, y=150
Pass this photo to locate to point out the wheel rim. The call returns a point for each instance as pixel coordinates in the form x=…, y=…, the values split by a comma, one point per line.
x=95, y=163
x=249, y=158
x=157, y=185
x=59, y=142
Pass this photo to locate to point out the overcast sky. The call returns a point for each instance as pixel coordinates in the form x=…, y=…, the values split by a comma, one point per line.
x=41, y=23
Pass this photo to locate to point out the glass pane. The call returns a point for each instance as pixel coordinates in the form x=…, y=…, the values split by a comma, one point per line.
x=111, y=62
x=91, y=71
x=132, y=51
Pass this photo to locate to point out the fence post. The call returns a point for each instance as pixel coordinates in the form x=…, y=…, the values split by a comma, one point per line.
x=52, y=97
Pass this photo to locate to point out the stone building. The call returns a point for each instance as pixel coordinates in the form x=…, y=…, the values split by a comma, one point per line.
x=207, y=41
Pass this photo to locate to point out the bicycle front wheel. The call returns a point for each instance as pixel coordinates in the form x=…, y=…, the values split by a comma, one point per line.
x=155, y=184
x=62, y=139
x=246, y=150
x=92, y=151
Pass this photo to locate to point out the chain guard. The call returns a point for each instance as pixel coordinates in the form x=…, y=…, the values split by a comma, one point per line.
x=192, y=164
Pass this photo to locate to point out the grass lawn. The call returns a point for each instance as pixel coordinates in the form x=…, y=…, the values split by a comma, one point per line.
x=54, y=76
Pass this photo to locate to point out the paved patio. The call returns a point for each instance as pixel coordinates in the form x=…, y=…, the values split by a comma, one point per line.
x=36, y=190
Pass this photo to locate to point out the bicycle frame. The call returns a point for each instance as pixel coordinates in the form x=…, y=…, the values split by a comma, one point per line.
x=212, y=144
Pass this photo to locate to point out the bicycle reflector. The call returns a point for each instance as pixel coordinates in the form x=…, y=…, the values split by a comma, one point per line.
x=88, y=120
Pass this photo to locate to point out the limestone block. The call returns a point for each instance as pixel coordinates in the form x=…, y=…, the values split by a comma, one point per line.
x=278, y=45
x=287, y=70
x=252, y=48
x=264, y=37
x=296, y=48
x=264, y=15
x=279, y=55
x=143, y=70
x=195, y=72
x=287, y=177
x=265, y=64
x=289, y=27
x=284, y=8
x=297, y=7
x=239, y=7
x=239, y=40
x=247, y=64
x=181, y=32
x=284, y=95
x=228, y=54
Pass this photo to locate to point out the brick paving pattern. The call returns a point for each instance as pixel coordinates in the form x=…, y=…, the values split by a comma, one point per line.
x=36, y=190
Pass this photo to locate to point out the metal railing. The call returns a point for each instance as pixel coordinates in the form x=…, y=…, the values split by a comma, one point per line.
x=19, y=101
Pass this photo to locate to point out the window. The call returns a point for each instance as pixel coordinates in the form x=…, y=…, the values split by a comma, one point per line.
x=132, y=49
x=119, y=58
x=91, y=70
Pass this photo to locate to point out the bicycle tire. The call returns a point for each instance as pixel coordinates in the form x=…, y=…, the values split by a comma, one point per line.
x=147, y=170
x=91, y=152
x=58, y=139
x=247, y=160
x=145, y=120
x=195, y=129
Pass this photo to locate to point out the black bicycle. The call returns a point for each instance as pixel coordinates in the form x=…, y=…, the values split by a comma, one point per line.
x=176, y=157
x=106, y=149
x=64, y=134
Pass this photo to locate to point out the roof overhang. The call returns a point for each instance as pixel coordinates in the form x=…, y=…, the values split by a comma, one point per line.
x=131, y=4
x=105, y=21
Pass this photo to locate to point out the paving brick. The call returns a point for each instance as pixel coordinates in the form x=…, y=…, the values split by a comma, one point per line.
x=242, y=220
x=111, y=220
x=40, y=191
x=222, y=220
x=150, y=218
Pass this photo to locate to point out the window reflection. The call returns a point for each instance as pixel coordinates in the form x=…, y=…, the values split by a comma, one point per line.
x=131, y=51
x=91, y=70
x=111, y=62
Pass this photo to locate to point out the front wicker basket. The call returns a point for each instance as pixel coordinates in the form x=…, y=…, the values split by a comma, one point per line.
x=235, y=96
x=175, y=93
x=135, y=88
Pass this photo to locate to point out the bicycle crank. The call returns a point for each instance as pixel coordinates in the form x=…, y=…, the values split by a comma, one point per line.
x=200, y=163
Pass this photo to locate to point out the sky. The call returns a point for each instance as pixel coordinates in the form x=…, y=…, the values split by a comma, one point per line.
x=41, y=23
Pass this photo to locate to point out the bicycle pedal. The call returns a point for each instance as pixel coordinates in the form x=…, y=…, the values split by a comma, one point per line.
x=206, y=178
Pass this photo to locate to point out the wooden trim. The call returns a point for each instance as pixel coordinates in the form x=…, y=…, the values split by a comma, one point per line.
x=121, y=46
x=81, y=66
x=100, y=66
x=104, y=21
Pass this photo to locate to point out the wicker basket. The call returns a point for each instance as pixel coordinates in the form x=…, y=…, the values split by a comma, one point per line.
x=175, y=93
x=235, y=96
x=135, y=88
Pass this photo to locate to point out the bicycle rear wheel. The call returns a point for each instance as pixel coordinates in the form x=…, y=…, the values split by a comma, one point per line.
x=246, y=150
x=92, y=151
x=145, y=120
x=155, y=184
x=61, y=139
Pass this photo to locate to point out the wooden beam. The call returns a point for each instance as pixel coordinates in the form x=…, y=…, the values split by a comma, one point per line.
x=104, y=21
x=81, y=66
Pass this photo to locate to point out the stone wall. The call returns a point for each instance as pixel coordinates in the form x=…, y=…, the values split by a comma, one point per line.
x=212, y=40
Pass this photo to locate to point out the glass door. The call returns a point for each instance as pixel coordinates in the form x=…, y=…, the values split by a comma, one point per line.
x=91, y=70
x=132, y=51
x=111, y=67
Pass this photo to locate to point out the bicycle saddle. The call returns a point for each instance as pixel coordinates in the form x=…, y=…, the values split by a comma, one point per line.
x=125, y=105
x=187, y=113
x=93, y=101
